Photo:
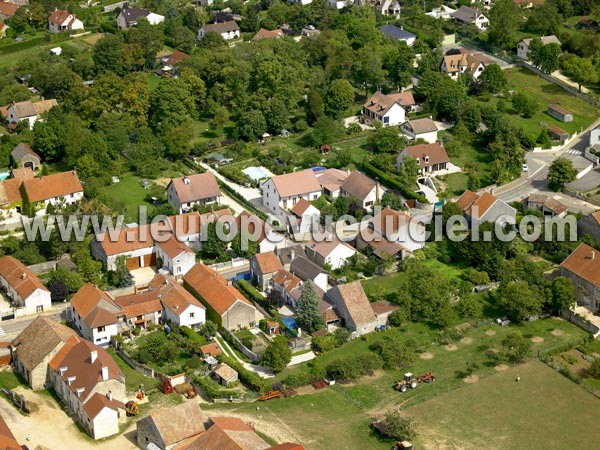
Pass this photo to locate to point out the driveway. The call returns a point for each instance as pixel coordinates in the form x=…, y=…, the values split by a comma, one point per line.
x=51, y=427
x=252, y=194
x=298, y=359
x=143, y=276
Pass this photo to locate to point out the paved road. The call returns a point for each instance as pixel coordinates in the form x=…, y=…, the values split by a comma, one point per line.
x=536, y=179
x=11, y=328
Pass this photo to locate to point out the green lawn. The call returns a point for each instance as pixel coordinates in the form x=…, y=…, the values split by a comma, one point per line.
x=133, y=378
x=545, y=93
x=339, y=417
x=378, y=287
x=10, y=380
x=131, y=192
x=542, y=411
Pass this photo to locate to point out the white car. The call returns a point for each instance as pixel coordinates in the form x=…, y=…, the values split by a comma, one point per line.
x=525, y=167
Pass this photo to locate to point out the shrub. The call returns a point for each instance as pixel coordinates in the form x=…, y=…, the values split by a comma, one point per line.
x=353, y=367
x=297, y=379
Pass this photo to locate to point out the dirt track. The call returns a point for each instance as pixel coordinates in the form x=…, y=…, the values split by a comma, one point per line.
x=50, y=426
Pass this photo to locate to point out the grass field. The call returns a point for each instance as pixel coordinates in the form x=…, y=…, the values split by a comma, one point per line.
x=543, y=411
x=545, y=93
x=133, y=378
x=376, y=288
x=130, y=191
x=339, y=417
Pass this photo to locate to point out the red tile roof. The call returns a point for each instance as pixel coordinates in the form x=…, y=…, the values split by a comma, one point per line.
x=88, y=374
x=19, y=277
x=405, y=98
x=296, y=183
x=8, y=9
x=173, y=247
x=59, y=16
x=358, y=185
x=196, y=187
x=52, y=186
x=135, y=305
x=98, y=402
x=300, y=208
x=7, y=439
x=435, y=153
x=476, y=205
x=268, y=262
x=213, y=288
x=94, y=306
x=173, y=295
x=585, y=263
x=211, y=349
x=177, y=57
x=264, y=33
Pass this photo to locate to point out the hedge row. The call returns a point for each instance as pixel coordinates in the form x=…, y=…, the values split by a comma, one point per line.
x=7, y=49
x=249, y=379
x=252, y=293
x=392, y=182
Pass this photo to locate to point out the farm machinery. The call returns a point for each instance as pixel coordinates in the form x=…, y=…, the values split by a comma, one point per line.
x=410, y=381
x=407, y=382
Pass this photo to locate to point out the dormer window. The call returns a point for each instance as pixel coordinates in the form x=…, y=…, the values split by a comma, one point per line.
x=71, y=379
x=62, y=370
x=426, y=159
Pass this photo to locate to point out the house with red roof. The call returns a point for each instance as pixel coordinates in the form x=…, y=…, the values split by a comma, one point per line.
x=225, y=305
x=7, y=439
x=23, y=287
x=95, y=315
x=58, y=189
x=384, y=109
x=582, y=266
x=431, y=158
x=199, y=189
x=61, y=20
x=91, y=386
x=282, y=192
x=485, y=207
x=179, y=305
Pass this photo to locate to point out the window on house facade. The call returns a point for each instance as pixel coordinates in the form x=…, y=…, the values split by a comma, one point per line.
x=101, y=329
x=39, y=308
x=192, y=315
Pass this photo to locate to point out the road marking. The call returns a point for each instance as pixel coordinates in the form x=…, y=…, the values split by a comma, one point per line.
x=2, y=332
x=574, y=152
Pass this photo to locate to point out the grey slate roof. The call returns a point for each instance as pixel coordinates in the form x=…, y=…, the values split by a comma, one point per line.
x=394, y=32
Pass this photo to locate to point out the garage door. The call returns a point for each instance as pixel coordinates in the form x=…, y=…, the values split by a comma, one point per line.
x=133, y=263
x=150, y=260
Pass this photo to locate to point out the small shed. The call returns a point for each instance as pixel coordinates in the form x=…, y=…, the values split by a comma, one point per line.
x=560, y=113
x=272, y=327
x=23, y=156
x=558, y=134
x=212, y=349
x=224, y=374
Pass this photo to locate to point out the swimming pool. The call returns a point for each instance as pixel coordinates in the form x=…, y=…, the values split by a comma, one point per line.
x=256, y=173
x=4, y=175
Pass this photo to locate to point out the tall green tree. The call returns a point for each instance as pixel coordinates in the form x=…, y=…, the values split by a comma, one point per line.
x=277, y=355
x=505, y=20
x=561, y=172
x=307, y=314
x=340, y=95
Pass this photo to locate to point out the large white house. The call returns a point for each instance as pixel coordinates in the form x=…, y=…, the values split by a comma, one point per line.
x=425, y=129
x=228, y=30
x=485, y=207
x=431, y=158
x=385, y=109
x=61, y=20
x=282, y=192
x=91, y=386
x=361, y=187
x=58, y=189
x=95, y=315
x=463, y=63
x=128, y=17
x=28, y=110
x=179, y=306
x=23, y=287
x=199, y=189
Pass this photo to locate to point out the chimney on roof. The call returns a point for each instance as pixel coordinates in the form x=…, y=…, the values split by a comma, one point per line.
x=23, y=276
x=593, y=255
x=186, y=180
x=93, y=356
x=229, y=282
x=109, y=395
x=104, y=372
x=292, y=255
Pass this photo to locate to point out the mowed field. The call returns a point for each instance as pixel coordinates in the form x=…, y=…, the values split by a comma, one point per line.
x=544, y=410
x=339, y=417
